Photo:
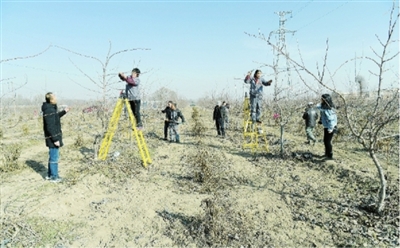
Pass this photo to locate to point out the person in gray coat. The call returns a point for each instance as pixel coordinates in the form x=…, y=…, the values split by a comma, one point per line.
x=310, y=116
x=133, y=94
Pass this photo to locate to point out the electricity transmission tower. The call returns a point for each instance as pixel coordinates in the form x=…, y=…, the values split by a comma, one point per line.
x=281, y=45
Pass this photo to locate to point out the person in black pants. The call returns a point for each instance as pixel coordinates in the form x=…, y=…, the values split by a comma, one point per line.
x=167, y=112
x=329, y=121
x=219, y=118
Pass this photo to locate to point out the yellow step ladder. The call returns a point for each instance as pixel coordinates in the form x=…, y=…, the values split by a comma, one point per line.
x=253, y=134
x=112, y=127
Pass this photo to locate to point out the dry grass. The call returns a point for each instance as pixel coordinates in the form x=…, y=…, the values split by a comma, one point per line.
x=9, y=157
x=205, y=192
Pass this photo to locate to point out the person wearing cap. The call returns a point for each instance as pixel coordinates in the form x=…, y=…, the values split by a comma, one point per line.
x=310, y=116
x=257, y=84
x=219, y=118
x=133, y=94
x=329, y=121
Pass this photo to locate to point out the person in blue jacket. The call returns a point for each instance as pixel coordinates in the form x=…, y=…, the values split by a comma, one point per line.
x=257, y=84
x=329, y=121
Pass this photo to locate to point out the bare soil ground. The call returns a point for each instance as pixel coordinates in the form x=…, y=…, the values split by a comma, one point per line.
x=205, y=191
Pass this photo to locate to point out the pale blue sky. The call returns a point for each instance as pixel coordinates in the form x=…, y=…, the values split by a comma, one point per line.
x=196, y=47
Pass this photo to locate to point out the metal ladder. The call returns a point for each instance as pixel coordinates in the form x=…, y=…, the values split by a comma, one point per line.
x=112, y=127
x=252, y=133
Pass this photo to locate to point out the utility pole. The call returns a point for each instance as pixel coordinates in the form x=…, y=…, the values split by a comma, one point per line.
x=281, y=44
x=281, y=48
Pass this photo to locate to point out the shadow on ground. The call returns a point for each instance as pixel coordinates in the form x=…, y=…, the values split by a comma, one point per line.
x=37, y=167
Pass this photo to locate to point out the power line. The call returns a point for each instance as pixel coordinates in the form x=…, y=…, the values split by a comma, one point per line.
x=302, y=8
x=324, y=15
x=318, y=18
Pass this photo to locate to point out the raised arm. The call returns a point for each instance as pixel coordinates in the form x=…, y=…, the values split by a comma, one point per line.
x=265, y=82
x=122, y=76
x=247, y=79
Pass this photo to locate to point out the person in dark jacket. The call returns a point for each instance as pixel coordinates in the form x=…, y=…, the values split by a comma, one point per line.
x=310, y=116
x=167, y=112
x=219, y=118
x=52, y=134
x=173, y=120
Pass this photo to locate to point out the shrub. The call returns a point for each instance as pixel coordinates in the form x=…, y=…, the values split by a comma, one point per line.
x=79, y=141
x=198, y=127
x=207, y=167
x=10, y=156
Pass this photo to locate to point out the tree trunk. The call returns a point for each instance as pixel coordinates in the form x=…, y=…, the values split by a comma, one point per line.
x=382, y=190
x=281, y=139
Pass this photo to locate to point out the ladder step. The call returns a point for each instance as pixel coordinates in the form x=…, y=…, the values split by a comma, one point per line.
x=112, y=127
x=252, y=133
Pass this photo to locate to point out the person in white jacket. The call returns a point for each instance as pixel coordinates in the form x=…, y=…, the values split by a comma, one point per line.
x=329, y=121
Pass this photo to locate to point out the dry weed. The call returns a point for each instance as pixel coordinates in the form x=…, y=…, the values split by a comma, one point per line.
x=198, y=127
x=37, y=232
x=25, y=129
x=223, y=224
x=207, y=167
x=10, y=156
x=226, y=225
x=78, y=141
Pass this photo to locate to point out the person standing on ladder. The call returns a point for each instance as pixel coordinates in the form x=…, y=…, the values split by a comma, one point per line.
x=133, y=94
x=256, y=94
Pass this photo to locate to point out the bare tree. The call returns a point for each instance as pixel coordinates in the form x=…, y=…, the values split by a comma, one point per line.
x=283, y=104
x=370, y=120
x=26, y=57
x=163, y=95
x=107, y=77
x=10, y=80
